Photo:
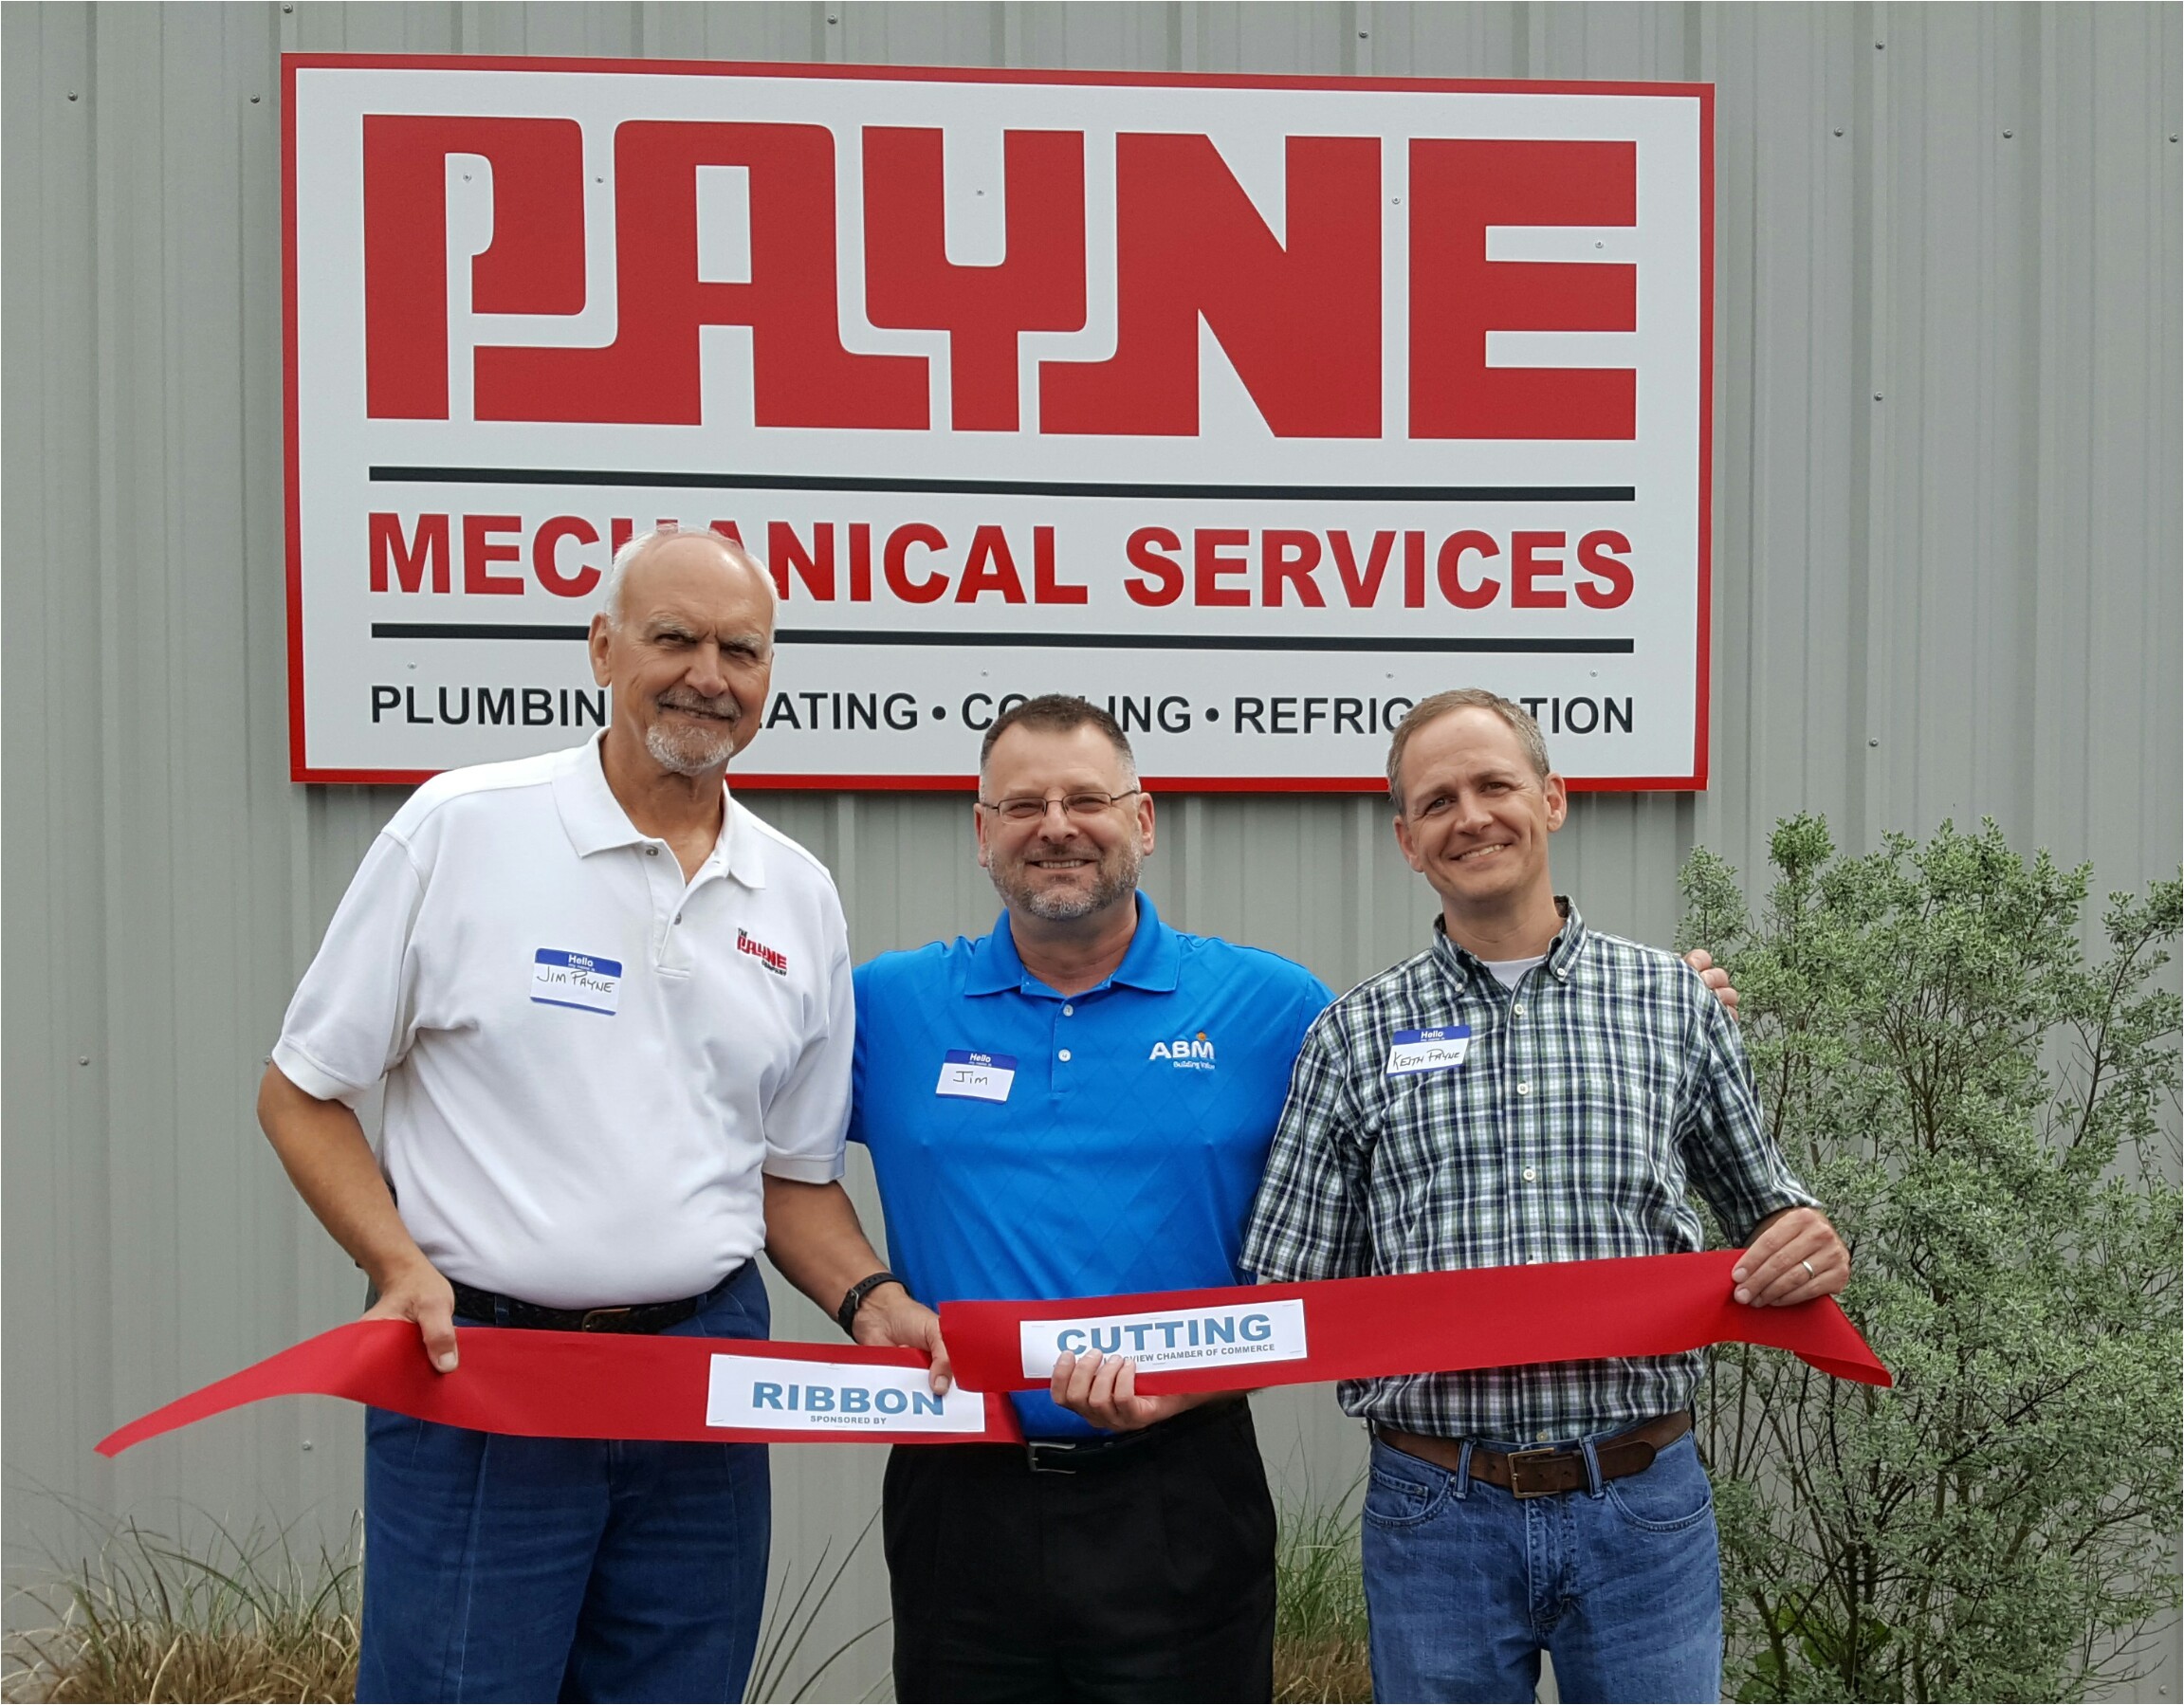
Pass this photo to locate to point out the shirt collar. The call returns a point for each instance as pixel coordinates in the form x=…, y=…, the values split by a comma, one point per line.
x=1562, y=953
x=1153, y=962
x=595, y=822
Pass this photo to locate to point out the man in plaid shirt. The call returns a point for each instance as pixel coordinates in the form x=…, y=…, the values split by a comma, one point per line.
x=1581, y=1087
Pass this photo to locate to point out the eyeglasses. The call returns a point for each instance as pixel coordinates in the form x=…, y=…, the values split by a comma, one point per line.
x=1078, y=806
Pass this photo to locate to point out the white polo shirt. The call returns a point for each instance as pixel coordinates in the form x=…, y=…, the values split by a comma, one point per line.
x=589, y=1062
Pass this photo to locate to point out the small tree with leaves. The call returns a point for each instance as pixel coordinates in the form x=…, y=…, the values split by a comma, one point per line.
x=1989, y=1119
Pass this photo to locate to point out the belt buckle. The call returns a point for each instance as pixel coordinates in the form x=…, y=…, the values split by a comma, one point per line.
x=1059, y=1448
x=1516, y=1459
x=604, y=1320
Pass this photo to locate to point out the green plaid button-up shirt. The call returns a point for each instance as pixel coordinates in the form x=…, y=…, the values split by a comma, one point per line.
x=1593, y=1098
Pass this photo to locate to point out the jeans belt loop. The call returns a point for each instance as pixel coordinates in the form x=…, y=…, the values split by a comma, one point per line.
x=1593, y=1479
x=1463, y=1470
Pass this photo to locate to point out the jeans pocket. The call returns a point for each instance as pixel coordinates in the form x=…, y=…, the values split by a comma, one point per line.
x=1395, y=1500
x=1672, y=1493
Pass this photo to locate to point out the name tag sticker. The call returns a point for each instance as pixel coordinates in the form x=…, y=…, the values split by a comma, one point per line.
x=1428, y=1050
x=580, y=979
x=977, y=1076
x=827, y=1397
x=1171, y=1339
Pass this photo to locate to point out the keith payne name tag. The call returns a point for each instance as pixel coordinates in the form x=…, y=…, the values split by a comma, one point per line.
x=1428, y=1050
x=577, y=980
x=977, y=1076
x=786, y=1396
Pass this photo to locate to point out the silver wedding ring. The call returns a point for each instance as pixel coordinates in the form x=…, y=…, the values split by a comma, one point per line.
x=1809, y=1273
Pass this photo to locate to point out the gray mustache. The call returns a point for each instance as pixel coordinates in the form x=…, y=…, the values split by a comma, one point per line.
x=724, y=706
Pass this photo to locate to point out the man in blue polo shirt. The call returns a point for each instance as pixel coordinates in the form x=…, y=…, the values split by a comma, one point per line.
x=1075, y=1105
x=1111, y=1140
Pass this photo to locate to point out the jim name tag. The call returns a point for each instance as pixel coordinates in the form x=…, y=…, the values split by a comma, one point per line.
x=577, y=980
x=977, y=1076
x=1169, y=1340
x=792, y=1396
x=1428, y=1050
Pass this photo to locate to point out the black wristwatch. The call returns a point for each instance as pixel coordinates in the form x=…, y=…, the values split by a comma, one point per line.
x=847, y=1313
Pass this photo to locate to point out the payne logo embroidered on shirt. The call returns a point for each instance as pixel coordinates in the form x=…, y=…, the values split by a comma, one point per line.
x=772, y=958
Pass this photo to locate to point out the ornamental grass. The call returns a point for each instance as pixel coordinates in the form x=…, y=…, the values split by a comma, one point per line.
x=231, y=1617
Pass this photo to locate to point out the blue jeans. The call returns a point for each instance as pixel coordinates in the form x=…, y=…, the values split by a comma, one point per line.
x=498, y=1567
x=1466, y=1584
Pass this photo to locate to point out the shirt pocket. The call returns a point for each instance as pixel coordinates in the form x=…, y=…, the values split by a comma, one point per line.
x=1627, y=1109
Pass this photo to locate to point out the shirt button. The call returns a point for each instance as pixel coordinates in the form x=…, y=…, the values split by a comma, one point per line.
x=652, y=851
x=1065, y=1053
x=1069, y=1012
x=678, y=916
x=1530, y=1175
x=1524, y=1089
x=1539, y=1438
x=1517, y=1011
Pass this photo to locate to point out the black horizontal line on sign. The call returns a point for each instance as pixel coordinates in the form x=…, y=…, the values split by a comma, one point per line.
x=1119, y=642
x=406, y=475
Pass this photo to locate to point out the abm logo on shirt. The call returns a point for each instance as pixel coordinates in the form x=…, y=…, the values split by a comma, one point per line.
x=1194, y=1053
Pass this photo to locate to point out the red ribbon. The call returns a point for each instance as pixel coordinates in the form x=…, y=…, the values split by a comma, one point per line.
x=585, y=1386
x=540, y=1385
x=1448, y=1322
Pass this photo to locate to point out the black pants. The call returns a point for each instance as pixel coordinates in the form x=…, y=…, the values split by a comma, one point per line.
x=1148, y=1575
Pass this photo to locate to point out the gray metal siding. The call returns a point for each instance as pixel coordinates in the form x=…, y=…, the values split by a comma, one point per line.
x=1946, y=583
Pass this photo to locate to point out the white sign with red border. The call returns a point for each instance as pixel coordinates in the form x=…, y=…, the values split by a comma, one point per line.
x=1253, y=408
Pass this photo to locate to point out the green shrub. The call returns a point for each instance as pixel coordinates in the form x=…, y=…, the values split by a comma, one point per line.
x=1980, y=1109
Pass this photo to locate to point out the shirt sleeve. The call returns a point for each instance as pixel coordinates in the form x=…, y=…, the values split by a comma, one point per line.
x=809, y=1115
x=1309, y=1220
x=860, y=984
x=354, y=1016
x=1732, y=1160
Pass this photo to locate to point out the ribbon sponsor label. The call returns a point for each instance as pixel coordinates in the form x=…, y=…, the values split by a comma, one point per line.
x=977, y=1076
x=577, y=980
x=1169, y=1340
x=1428, y=1050
x=780, y=1395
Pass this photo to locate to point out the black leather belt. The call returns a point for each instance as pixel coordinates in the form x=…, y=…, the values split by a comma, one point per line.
x=473, y=1304
x=1078, y=1455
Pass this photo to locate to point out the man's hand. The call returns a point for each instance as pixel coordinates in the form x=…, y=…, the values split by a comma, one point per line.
x=1795, y=1257
x=1103, y=1390
x=1714, y=977
x=418, y=1292
x=892, y=1315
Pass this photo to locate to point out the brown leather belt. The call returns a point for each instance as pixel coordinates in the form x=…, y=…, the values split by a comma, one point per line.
x=1541, y=1473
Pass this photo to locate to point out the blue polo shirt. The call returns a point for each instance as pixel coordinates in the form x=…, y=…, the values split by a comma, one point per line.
x=1135, y=1125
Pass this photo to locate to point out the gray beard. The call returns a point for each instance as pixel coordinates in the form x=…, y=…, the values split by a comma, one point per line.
x=693, y=753
x=1112, y=885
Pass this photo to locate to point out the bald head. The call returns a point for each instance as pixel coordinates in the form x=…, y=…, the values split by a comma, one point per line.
x=676, y=548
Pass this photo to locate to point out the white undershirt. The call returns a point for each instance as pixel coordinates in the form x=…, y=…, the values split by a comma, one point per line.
x=1509, y=972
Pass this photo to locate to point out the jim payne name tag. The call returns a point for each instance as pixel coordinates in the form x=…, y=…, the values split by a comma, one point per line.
x=785, y=1395
x=1428, y=1050
x=1171, y=1339
x=577, y=980
x=977, y=1076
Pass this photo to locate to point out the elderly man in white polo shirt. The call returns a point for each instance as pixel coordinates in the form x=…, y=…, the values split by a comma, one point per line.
x=614, y=1016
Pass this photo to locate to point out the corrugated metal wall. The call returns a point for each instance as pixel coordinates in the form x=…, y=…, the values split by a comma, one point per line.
x=1947, y=584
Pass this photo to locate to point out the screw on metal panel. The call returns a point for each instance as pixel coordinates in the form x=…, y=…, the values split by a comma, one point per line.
x=306, y=1444
x=1365, y=35
x=1879, y=45
x=2007, y=133
x=82, y=1059
x=72, y=96
x=254, y=99
x=1873, y=742
x=1838, y=130
x=1877, y=396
